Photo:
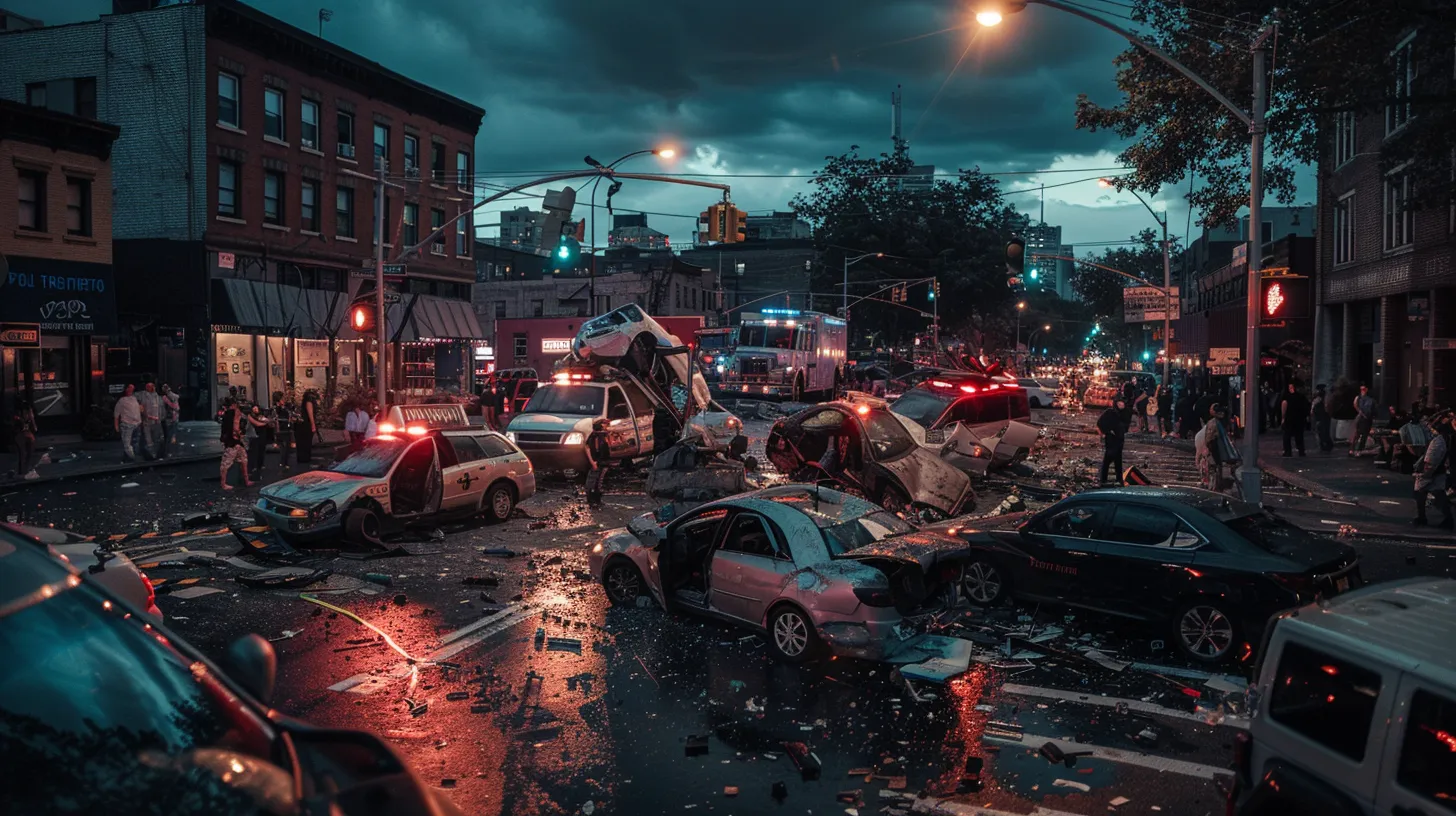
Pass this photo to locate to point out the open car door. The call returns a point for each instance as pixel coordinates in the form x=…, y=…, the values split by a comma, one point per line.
x=415, y=483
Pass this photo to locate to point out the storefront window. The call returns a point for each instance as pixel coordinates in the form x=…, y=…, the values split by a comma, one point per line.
x=51, y=373
x=234, y=371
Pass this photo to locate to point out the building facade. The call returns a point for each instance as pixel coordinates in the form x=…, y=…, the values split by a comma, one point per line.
x=244, y=213
x=777, y=226
x=773, y=273
x=520, y=228
x=1043, y=273
x=57, y=287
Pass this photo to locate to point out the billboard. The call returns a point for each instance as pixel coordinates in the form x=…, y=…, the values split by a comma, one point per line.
x=1145, y=304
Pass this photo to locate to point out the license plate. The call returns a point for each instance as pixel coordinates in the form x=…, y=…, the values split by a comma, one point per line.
x=1342, y=584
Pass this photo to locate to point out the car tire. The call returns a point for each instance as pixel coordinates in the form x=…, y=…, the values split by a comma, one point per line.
x=622, y=582
x=983, y=583
x=362, y=525
x=1204, y=631
x=499, y=501
x=791, y=635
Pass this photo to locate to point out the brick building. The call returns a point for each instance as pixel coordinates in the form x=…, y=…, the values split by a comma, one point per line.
x=749, y=270
x=57, y=303
x=1386, y=312
x=245, y=180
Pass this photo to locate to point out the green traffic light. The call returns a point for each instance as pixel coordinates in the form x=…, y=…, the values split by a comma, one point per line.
x=563, y=252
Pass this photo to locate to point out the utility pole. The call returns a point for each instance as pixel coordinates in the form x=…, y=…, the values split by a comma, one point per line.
x=379, y=328
x=1250, y=474
x=1167, y=305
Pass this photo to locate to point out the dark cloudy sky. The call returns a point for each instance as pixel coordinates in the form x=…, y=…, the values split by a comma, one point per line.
x=751, y=91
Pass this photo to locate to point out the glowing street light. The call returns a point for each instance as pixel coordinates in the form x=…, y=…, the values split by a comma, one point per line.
x=988, y=18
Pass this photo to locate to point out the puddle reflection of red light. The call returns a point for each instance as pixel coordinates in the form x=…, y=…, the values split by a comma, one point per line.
x=1330, y=670
x=963, y=739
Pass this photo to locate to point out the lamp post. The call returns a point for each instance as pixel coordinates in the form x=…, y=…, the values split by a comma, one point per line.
x=991, y=12
x=1016, y=344
x=848, y=262
x=1032, y=336
x=1167, y=279
x=591, y=286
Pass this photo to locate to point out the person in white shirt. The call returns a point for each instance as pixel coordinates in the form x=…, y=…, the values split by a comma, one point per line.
x=356, y=425
x=126, y=418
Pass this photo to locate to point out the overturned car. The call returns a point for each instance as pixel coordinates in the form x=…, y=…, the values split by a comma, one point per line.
x=813, y=568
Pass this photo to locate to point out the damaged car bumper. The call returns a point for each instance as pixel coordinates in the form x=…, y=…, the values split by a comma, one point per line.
x=279, y=518
x=865, y=636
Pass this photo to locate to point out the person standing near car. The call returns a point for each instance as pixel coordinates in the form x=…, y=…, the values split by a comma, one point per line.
x=23, y=426
x=1220, y=448
x=233, y=452
x=283, y=428
x=487, y=404
x=1163, y=397
x=305, y=425
x=260, y=433
x=1293, y=410
x=126, y=418
x=1364, y=420
x=171, y=412
x=1113, y=428
x=151, y=405
x=1431, y=470
x=1319, y=414
x=355, y=425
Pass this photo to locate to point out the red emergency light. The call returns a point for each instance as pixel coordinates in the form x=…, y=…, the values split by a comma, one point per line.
x=969, y=389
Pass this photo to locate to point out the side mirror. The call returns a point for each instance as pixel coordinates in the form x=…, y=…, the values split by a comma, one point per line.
x=1186, y=540
x=253, y=663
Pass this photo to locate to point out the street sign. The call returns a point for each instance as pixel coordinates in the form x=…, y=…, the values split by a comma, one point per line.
x=1223, y=370
x=1147, y=304
x=390, y=270
x=20, y=335
x=1438, y=344
x=391, y=297
x=1223, y=356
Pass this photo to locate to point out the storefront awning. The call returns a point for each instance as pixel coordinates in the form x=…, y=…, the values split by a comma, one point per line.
x=436, y=317
x=276, y=309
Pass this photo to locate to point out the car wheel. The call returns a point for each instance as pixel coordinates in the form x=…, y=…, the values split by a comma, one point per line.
x=983, y=583
x=1035, y=402
x=499, y=501
x=896, y=502
x=1204, y=631
x=362, y=525
x=791, y=635
x=622, y=582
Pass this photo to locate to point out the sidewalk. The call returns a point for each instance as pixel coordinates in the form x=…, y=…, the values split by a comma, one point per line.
x=70, y=458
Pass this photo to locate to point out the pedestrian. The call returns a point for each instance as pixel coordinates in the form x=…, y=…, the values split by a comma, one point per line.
x=1219, y=446
x=305, y=425
x=1188, y=423
x=1319, y=413
x=1140, y=409
x=1269, y=401
x=1414, y=439
x=487, y=403
x=1430, y=476
x=126, y=418
x=356, y=423
x=1113, y=427
x=233, y=452
x=23, y=426
x=151, y=405
x=1293, y=411
x=171, y=412
x=1364, y=420
x=1163, y=410
x=283, y=427
x=260, y=434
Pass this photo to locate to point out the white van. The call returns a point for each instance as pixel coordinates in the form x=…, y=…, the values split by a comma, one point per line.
x=1355, y=707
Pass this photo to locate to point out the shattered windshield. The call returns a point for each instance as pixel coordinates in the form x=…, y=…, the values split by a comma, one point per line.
x=582, y=400
x=758, y=335
x=888, y=438
x=922, y=406
x=375, y=460
x=864, y=531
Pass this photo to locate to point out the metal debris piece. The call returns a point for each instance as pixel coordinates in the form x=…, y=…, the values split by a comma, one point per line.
x=457, y=695
x=730, y=790
x=380, y=578
x=1068, y=783
x=287, y=634
x=561, y=644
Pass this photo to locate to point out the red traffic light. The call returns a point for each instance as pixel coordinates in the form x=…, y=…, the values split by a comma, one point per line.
x=361, y=317
x=1284, y=297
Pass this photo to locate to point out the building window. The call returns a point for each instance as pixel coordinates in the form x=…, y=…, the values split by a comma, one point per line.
x=1397, y=214
x=381, y=144
x=538, y=308
x=500, y=310
x=463, y=237
x=411, y=155
x=518, y=346
x=411, y=225
x=35, y=94
x=1403, y=75
x=308, y=122
x=308, y=196
x=437, y=163
x=345, y=123
x=272, y=197
x=344, y=212
x=32, y=201
x=1345, y=228
x=74, y=96
x=273, y=113
x=227, y=188
x=437, y=220
x=78, y=207
x=462, y=169
x=1344, y=137
x=228, y=112
x=1266, y=232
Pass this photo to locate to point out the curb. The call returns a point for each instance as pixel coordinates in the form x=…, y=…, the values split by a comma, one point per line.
x=106, y=470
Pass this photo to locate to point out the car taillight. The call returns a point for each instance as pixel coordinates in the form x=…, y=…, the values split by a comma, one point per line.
x=1296, y=582
x=151, y=590
x=874, y=597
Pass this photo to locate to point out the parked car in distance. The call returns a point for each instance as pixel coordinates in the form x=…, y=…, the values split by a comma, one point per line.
x=1041, y=393
x=109, y=712
x=813, y=568
x=863, y=447
x=1354, y=707
x=1209, y=568
x=982, y=403
x=113, y=571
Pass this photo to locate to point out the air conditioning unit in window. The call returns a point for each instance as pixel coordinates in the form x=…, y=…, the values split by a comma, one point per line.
x=411, y=172
x=346, y=150
x=308, y=143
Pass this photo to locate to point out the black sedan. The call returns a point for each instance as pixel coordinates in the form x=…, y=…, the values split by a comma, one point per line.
x=1212, y=569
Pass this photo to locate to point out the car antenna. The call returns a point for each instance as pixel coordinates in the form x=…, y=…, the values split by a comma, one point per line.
x=816, y=496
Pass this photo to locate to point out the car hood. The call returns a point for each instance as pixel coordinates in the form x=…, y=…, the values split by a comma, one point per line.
x=931, y=481
x=562, y=423
x=314, y=487
x=925, y=549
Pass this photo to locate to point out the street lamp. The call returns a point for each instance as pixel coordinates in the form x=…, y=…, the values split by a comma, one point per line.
x=1167, y=275
x=848, y=262
x=661, y=153
x=989, y=13
x=1016, y=345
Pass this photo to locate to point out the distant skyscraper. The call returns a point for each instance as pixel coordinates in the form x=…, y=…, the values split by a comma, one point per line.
x=1043, y=239
x=1064, y=273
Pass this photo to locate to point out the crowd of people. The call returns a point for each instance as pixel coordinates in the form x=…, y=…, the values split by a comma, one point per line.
x=250, y=430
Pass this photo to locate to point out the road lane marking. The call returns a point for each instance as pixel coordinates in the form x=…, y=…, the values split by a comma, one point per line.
x=960, y=809
x=1112, y=702
x=1138, y=758
x=451, y=644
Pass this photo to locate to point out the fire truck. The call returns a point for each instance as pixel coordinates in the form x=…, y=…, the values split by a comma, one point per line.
x=787, y=354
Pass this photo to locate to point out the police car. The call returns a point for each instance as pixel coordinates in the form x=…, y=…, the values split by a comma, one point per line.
x=427, y=463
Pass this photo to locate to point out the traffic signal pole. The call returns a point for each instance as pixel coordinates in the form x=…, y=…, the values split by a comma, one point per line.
x=379, y=329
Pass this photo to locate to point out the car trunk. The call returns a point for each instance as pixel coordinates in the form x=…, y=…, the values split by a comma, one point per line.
x=1332, y=566
x=919, y=568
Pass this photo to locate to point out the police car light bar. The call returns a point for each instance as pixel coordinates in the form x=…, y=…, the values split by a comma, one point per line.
x=385, y=428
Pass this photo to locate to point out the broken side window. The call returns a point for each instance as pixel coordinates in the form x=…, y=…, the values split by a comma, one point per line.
x=1327, y=699
x=751, y=536
x=1082, y=521
x=1428, y=752
x=1138, y=524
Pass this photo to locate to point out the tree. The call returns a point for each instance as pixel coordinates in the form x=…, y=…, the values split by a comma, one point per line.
x=1102, y=290
x=954, y=230
x=1329, y=57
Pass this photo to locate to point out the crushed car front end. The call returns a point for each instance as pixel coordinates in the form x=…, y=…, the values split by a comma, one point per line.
x=308, y=507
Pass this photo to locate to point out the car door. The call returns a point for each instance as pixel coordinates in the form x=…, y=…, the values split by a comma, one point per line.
x=1144, y=561
x=464, y=479
x=800, y=441
x=750, y=567
x=1420, y=749
x=1061, y=548
x=414, y=484
x=684, y=561
x=644, y=416
x=621, y=431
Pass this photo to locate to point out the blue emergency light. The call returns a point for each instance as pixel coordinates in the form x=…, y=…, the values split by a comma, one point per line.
x=784, y=312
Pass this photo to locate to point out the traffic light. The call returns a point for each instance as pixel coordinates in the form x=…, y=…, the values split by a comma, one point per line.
x=362, y=313
x=567, y=252
x=1284, y=297
x=1015, y=263
x=934, y=289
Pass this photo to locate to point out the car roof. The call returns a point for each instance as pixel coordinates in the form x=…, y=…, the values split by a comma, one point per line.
x=1406, y=623
x=1196, y=497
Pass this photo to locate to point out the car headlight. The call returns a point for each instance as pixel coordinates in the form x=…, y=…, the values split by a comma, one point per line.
x=573, y=438
x=511, y=435
x=325, y=510
x=597, y=547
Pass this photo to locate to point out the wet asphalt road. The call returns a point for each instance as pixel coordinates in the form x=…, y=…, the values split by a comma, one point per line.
x=603, y=716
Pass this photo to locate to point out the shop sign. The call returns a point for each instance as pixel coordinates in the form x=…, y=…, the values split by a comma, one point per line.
x=484, y=353
x=20, y=335
x=63, y=297
x=227, y=260
x=311, y=353
x=1143, y=304
x=1223, y=356
x=555, y=346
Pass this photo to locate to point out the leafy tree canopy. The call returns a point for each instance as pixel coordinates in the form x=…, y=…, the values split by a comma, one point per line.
x=1329, y=56
x=1102, y=290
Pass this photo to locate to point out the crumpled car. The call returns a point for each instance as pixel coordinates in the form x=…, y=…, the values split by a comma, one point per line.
x=815, y=570
x=863, y=447
x=629, y=338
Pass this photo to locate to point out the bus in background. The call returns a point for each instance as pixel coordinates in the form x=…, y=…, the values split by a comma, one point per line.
x=787, y=354
x=714, y=348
